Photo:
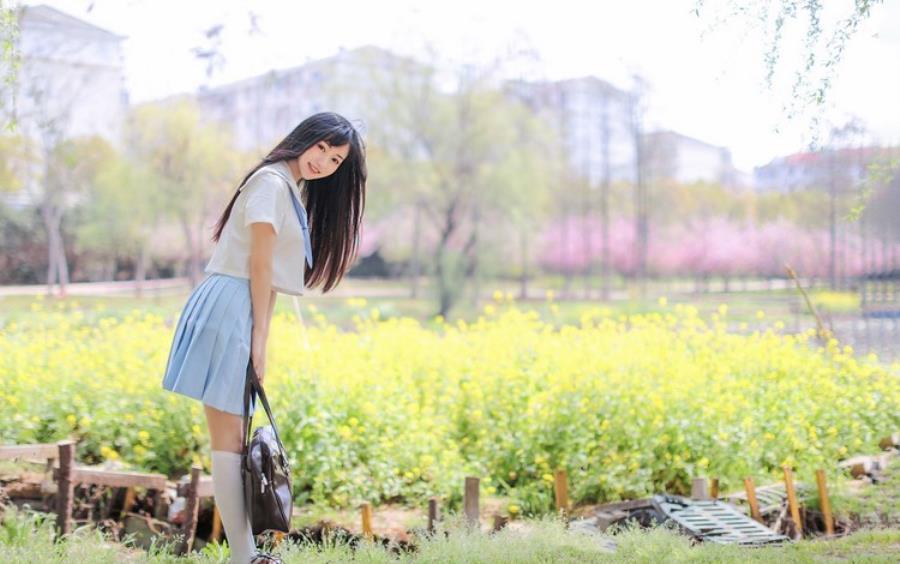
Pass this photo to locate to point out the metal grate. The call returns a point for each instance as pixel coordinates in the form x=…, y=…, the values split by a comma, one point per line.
x=771, y=498
x=715, y=521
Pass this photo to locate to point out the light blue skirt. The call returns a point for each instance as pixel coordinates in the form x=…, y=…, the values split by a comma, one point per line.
x=211, y=348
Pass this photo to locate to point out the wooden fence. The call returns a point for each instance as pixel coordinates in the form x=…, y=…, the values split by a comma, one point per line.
x=60, y=458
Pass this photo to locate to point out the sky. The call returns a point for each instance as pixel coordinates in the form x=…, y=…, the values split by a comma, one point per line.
x=705, y=74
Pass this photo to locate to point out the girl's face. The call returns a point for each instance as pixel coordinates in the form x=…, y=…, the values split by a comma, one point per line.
x=321, y=159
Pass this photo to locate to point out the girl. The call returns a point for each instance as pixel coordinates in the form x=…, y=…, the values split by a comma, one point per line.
x=265, y=245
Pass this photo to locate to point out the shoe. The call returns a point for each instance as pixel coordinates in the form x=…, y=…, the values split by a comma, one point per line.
x=265, y=558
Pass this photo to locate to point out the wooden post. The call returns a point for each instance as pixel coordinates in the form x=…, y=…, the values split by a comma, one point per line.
x=191, y=508
x=433, y=513
x=48, y=470
x=698, y=489
x=367, y=520
x=470, y=501
x=792, y=500
x=129, y=501
x=216, y=534
x=66, y=487
x=751, y=500
x=714, y=488
x=824, y=502
x=889, y=442
x=500, y=521
x=561, y=489
x=160, y=506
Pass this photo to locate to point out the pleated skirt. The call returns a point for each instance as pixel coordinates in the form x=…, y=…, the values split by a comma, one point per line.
x=211, y=347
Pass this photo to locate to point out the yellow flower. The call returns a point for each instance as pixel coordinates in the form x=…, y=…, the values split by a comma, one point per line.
x=650, y=373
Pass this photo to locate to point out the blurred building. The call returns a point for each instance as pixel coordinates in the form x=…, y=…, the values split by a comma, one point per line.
x=594, y=118
x=674, y=156
x=72, y=77
x=263, y=109
x=814, y=169
x=71, y=82
x=791, y=173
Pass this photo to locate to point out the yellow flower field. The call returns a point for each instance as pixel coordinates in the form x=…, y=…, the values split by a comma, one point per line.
x=394, y=410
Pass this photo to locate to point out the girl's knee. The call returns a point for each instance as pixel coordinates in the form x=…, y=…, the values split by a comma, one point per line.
x=225, y=430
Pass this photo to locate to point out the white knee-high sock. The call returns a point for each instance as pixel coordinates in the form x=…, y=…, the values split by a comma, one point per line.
x=229, y=494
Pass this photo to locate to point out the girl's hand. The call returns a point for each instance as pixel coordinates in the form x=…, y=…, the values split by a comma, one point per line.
x=258, y=355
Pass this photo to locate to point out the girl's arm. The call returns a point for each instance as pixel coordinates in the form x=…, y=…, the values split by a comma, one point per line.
x=272, y=297
x=262, y=243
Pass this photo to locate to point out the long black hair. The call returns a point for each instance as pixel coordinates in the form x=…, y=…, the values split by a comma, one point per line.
x=334, y=204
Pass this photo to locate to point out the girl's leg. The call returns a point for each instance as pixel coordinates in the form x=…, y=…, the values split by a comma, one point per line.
x=225, y=446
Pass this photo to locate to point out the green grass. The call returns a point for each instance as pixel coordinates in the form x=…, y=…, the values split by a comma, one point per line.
x=391, y=298
x=870, y=505
x=26, y=537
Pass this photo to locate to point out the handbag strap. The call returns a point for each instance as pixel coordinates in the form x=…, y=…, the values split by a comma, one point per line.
x=251, y=386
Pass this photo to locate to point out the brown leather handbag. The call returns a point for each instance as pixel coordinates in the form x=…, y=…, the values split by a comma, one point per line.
x=264, y=467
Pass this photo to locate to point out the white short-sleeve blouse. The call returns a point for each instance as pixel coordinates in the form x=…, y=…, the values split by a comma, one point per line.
x=264, y=198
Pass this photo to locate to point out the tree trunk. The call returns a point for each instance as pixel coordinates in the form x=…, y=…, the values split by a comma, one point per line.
x=445, y=299
x=51, y=251
x=567, y=284
x=604, y=204
x=414, y=259
x=108, y=271
x=140, y=269
x=445, y=289
x=57, y=267
x=832, y=223
x=192, y=262
x=470, y=252
x=523, y=278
